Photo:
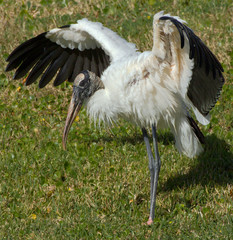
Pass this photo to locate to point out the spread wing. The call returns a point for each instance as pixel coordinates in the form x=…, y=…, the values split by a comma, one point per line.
x=193, y=65
x=66, y=51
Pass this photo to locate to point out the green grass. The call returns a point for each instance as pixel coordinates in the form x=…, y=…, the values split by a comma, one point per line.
x=99, y=187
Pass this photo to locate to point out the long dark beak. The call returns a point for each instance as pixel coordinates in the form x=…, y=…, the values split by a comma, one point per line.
x=74, y=108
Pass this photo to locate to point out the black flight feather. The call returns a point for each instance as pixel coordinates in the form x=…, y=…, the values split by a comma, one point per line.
x=66, y=71
x=42, y=64
x=53, y=68
x=45, y=57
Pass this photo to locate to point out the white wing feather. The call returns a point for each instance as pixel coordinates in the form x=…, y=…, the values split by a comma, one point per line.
x=167, y=47
x=89, y=35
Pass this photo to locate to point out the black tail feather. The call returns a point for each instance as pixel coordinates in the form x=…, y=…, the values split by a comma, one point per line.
x=196, y=130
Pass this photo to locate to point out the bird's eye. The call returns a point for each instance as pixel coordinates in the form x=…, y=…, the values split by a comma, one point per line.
x=82, y=83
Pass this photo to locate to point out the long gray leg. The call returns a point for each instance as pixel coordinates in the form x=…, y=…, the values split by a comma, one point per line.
x=155, y=144
x=151, y=160
x=154, y=167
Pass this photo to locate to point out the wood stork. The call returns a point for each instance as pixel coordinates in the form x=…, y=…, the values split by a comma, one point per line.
x=113, y=79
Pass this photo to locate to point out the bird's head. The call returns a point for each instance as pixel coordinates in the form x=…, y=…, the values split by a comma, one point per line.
x=85, y=85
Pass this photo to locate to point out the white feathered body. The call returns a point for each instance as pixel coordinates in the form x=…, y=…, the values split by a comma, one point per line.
x=140, y=89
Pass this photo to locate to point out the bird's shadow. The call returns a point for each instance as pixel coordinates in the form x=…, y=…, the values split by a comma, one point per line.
x=214, y=165
x=165, y=138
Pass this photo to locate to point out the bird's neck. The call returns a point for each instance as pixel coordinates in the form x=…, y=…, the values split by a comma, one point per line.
x=97, y=83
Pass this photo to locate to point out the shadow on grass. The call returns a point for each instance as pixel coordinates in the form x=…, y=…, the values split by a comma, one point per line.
x=215, y=165
x=165, y=138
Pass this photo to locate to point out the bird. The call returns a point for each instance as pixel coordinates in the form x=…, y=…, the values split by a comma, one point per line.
x=163, y=88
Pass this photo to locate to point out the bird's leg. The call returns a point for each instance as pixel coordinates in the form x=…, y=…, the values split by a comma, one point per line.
x=151, y=159
x=155, y=144
x=154, y=167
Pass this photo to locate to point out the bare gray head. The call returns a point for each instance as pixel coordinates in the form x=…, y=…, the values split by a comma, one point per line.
x=85, y=85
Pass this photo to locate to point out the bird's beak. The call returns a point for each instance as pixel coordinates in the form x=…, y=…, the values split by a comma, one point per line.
x=74, y=108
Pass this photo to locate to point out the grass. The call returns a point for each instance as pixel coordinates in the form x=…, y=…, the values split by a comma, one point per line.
x=99, y=187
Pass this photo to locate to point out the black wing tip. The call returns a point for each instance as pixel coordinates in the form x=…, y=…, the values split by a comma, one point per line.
x=41, y=85
x=166, y=18
x=65, y=26
x=7, y=59
x=7, y=69
x=26, y=43
x=20, y=53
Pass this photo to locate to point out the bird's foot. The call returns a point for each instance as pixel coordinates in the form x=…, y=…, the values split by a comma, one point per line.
x=150, y=221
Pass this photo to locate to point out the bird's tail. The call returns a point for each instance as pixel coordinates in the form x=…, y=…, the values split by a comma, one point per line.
x=188, y=136
x=196, y=130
